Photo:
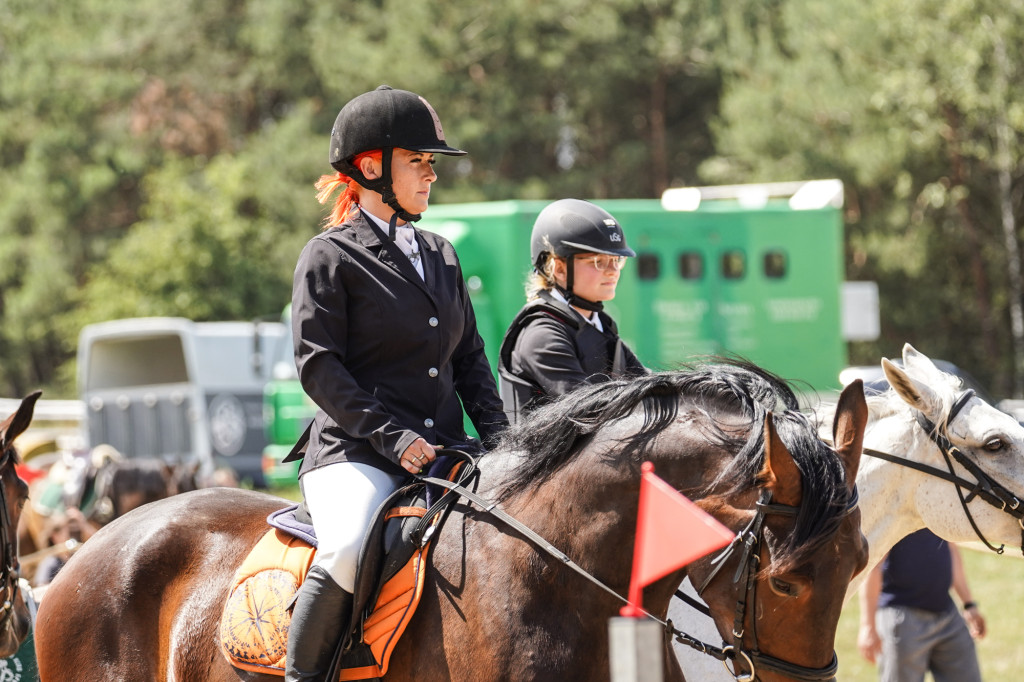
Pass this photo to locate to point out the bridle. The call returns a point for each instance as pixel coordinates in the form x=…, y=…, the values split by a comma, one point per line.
x=748, y=544
x=985, y=487
x=8, y=573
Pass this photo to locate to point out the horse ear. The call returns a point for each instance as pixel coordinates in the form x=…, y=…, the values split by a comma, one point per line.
x=16, y=424
x=848, y=428
x=914, y=359
x=917, y=394
x=780, y=473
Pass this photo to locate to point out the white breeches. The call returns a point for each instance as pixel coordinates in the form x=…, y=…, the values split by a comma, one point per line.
x=342, y=499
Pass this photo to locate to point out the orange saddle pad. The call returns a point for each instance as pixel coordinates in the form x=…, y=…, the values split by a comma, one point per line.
x=254, y=624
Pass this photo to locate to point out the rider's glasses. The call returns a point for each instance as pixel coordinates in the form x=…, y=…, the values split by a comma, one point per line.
x=604, y=262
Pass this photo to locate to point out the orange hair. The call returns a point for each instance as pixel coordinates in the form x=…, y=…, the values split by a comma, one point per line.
x=348, y=198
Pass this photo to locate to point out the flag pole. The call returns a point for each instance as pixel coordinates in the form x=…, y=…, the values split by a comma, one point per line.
x=635, y=608
x=671, y=532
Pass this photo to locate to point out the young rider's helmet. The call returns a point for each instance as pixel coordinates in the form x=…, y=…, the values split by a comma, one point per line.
x=570, y=226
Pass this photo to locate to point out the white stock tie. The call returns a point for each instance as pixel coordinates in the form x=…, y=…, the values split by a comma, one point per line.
x=405, y=237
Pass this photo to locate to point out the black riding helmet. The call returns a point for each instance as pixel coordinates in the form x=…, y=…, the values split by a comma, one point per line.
x=383, y=119
x=571, y=226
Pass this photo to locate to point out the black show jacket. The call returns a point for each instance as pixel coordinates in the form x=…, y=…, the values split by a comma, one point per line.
x=385, y=354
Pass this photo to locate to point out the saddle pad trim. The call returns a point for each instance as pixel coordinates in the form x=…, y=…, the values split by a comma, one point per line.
x=391, y=615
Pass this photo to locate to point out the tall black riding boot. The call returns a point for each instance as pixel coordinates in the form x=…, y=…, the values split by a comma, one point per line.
x=322, y=610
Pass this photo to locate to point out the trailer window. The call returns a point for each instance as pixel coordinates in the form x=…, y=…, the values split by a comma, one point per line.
x=734, y=265
x=648, y=266
x=691, y=265
x=774, y=264
x=122, y=363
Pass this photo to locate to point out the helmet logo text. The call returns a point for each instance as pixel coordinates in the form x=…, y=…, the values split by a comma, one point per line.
x=437, y=121
x=614, y=231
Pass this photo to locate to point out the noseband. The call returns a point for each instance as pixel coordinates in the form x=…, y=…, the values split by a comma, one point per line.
x=984, y=486
x=748, y=544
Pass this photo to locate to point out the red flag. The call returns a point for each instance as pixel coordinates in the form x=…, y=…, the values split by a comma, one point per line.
x=671, y=531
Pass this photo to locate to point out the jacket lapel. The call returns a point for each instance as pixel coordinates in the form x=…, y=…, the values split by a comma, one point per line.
x=433, y=261
x=373, y=238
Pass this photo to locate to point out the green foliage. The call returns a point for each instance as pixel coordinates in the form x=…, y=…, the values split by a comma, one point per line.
x=901, y=101
x=159, y=158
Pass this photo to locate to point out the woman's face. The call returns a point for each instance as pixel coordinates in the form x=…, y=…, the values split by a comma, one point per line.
x=595, y=275
x=412, y=174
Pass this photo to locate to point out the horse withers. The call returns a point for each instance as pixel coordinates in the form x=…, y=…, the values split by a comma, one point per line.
x=142, y=600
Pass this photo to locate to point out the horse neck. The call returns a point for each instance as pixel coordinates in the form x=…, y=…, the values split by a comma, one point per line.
x=588, y=509
x=887, y=502
x=583, y=509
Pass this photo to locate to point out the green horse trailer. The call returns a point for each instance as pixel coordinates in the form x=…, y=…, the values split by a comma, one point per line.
x=761, y=281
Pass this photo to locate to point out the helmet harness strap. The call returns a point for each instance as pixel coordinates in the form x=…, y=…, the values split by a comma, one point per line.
x=572, y=298
x=383, y=186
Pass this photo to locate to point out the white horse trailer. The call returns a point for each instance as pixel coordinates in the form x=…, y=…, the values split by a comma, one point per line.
x=181, y=390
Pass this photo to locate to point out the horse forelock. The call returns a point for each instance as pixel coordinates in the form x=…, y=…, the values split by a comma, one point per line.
x=825, y=500
x=825, y=497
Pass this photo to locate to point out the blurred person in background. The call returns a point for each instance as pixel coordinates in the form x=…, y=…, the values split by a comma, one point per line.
x=66, y=531
x=909, y=623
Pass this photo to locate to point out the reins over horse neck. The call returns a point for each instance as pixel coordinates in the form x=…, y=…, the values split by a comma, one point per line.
x=985, y=487
x=491, y=508
x=746, y=573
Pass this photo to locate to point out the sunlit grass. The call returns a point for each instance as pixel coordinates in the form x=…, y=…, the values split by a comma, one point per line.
x=997, y=583
x=290, y=492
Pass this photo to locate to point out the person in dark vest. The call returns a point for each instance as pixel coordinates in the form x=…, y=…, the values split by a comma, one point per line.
x=562, y=337
x=386, y=345
x=909, y=624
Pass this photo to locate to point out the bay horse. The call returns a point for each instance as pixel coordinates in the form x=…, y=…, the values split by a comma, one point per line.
x=14, y=612
x=905, y=481
x=142, y=600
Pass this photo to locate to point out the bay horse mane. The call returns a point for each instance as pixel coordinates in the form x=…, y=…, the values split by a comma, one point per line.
x=554, y=435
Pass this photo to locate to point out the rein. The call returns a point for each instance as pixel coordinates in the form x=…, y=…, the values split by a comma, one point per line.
x=985, y=487
x=492, y=509
x=749, y=538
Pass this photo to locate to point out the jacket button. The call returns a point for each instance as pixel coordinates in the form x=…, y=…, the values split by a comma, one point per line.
x=432, y=322
x=432, y=372
x=428, y=422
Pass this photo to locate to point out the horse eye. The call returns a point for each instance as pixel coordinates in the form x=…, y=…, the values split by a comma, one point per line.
x=994, y=445
x=782, y=588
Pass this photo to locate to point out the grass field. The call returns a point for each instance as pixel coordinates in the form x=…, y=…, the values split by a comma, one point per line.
x=997, y=583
